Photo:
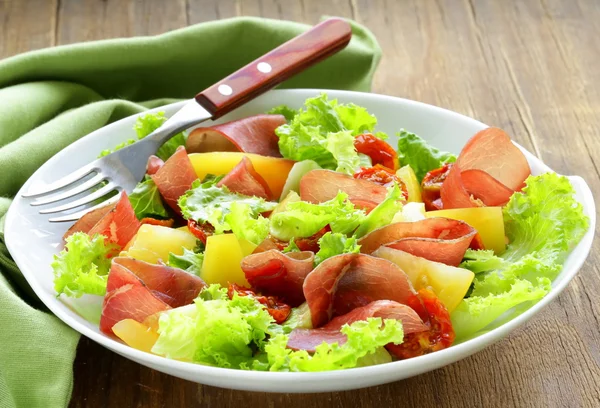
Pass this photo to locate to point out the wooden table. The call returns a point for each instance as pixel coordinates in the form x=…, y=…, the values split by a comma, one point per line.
x=531, y=67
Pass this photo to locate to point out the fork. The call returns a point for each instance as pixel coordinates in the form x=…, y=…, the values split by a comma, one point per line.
x=124, y=168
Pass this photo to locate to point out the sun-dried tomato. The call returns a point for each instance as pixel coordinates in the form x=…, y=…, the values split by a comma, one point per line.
x=378, y=150
x=383, y=176
x=432, y=185
x=201, y=231
x=278, y=310
x=435, y=315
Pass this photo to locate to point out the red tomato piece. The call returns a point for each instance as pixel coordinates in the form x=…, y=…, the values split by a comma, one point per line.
x=312, y=243
x=440, y=334
x=383, y=176
x=200, y=231
x=278, y=310
x=432, y=185
x=378, y=150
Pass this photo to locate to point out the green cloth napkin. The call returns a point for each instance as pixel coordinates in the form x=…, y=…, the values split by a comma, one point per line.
x=52, y=97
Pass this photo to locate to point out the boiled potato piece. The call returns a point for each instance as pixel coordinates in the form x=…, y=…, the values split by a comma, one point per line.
x=135, y=334
x=274, y=170
x=488, y=221
x=413, y=187
x=410, y=212
x=222, y=259
x=450, y=284
x=154, y=242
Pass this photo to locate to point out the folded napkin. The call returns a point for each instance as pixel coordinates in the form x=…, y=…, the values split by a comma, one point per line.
x=52, y=97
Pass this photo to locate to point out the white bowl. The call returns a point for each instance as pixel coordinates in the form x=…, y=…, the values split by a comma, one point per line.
x=33, y=241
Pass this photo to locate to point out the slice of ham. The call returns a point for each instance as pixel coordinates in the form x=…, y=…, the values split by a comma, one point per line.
x=344, y=282
x=318, y=186
x=171, y=285
x=87, y=222
x=309, y=339
x=489, y=169
x=254, y=134
x=243, y=179
x=278, y=274
x=120, y=224
x=127, y=298
x=438, y=239
x=154, y=164
x=175, y=177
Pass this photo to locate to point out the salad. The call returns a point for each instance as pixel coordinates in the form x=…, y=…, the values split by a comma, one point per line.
x=302, y=240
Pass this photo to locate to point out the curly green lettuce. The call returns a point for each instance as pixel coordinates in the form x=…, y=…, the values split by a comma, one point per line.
x=83, y=266
x=189, y=261
x=364, y=338
x=332, y=244
x=302, y=219
x=420, y=155
x=323, y=131
x=147, y=202
x=206, y=202
x=543, y=223
x=382, y=214
x=245, y=224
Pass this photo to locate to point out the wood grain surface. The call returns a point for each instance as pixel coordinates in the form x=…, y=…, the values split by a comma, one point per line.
x=531, y=67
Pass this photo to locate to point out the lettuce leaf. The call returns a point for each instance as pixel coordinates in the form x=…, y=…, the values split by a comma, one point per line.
x=324, y=132
x=189, y=261
x=302, y=219
x=245, y=224
x=543, y=223
x=83, y=266
x=332, y=244
x=146, y=201
x=416, y=152
x=382, y=214
x=363, y=339
x=218, y=332
x=284, y=110
x=205, y=202
x=145, y=125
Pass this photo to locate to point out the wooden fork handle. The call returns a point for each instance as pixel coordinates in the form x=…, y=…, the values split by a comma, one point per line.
x=316, y=44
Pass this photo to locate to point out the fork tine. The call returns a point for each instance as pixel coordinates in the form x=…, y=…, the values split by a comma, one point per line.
x=97, y=179
x=78, y=215
x=83, y=200
x=60, y=183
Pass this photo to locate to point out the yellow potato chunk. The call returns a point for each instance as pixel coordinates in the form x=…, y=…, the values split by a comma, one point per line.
x=154, y=242
x=135, y=334
x=222, y=259
x=413, y=187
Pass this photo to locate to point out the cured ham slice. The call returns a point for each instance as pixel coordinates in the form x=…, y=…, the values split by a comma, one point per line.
x=175, y=178
x=344, y=282
x=318, y=186
x=244, y=179
x=87, y=222
x=489, y=169
x=308, y=339
x=154, y=164
x=127, y=298
x=275, y=273
x=120, y=224
x=173, y=286
x=438, y=239
x=255, y=134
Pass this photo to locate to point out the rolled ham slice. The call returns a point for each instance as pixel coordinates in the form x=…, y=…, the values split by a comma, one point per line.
x=344, y=282
x=175, y=177
x=154, y=164
x=254, y=134
x=119, y=224
x=278, y=274
x=244, y=179
x=173, y=286
x=87, y=222
x=438, y=239
x=318, y=186
x=309, y=339
x=489, y=169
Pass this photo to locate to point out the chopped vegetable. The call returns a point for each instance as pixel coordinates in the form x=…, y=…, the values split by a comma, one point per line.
x=146, y=202
x=413, y=187
x=189, y=261
x=82, y=267
x=292, y=184
x=382, y=214
x=222, y=259
x=153, y=243
x=245, y=225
